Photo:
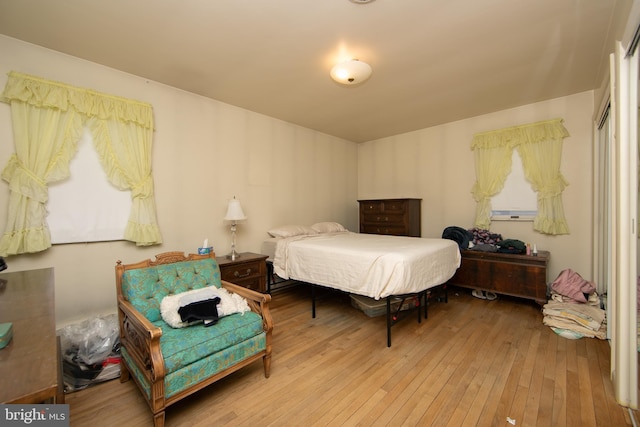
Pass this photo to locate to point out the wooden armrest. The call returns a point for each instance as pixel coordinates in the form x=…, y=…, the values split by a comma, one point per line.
x=142, y=340
x=137, y=317
x=247, y=293
x=258, y=302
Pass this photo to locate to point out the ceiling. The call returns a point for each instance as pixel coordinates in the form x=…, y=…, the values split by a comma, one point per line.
x=434, y=61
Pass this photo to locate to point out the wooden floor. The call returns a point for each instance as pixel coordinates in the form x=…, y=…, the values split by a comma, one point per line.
x=471, y=363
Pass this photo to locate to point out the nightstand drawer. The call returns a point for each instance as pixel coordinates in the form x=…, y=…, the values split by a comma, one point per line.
x=233, y=273
x=248, y=270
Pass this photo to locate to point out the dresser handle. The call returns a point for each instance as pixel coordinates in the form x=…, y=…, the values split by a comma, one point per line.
x=238, y=275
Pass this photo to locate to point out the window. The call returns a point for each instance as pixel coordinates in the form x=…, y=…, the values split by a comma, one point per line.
x=517, y=201
x=86, y=207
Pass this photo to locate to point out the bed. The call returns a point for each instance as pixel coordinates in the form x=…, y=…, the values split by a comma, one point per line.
x=373, y=265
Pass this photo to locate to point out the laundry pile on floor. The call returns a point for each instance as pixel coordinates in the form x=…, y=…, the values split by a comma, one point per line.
x=573, y=311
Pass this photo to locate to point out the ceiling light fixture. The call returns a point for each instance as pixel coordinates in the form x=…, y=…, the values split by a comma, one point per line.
x=351, y=72
x=361, y=1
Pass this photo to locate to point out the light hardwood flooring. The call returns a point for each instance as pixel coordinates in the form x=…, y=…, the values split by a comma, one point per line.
x=471, y=363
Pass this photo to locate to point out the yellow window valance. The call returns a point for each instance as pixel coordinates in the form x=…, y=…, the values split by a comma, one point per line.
x=44, y=93
x=523, y=134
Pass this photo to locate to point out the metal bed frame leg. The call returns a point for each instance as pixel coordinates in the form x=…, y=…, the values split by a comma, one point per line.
x=269, y=275
x=389, y=321
x=421, y=296
x=426, y=304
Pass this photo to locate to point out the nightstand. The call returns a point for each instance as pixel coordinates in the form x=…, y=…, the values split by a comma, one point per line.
x=248, y=270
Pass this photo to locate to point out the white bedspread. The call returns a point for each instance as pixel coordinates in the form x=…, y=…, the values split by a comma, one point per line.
x=373, y=265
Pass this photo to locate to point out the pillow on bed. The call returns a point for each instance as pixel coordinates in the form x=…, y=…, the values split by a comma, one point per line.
x=328, y=227
x=291, y=230
x=229, y=303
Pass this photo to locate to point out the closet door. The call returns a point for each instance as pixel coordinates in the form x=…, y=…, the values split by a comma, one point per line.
x=622, y=299
x=603, y=184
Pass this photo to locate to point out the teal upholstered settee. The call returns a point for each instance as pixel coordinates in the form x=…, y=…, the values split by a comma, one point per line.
x=171, y=363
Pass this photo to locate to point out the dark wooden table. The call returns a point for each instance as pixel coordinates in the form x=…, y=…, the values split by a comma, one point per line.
x=30, y=363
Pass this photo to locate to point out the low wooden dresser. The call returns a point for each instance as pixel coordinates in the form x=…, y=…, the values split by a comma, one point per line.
x=398, y=217
x=248, y=270
x=30, y=366
x=523, y=276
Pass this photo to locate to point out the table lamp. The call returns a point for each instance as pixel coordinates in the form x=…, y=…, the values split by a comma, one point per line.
x=234, y=214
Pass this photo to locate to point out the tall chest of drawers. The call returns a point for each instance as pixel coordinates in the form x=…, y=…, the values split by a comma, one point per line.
x=398, y=217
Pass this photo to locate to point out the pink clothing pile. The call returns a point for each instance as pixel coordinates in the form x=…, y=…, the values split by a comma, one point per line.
x=574, y=309
x=572, y=287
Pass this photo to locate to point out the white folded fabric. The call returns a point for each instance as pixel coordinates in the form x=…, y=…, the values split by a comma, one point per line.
x=585, y=315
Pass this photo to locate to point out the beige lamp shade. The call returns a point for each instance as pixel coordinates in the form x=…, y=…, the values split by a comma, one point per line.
x=234, y=211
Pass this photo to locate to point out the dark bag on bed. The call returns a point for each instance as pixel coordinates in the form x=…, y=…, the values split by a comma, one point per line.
x=459, y=235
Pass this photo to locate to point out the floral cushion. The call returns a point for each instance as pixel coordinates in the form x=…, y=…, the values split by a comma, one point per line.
x=146, y=287
x=184, y=378
x=180, y=347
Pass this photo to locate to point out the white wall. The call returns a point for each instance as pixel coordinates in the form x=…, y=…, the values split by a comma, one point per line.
x=437, y=165
x=204, y=153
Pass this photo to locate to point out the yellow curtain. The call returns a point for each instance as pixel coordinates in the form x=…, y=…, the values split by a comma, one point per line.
x=125, y=153
x=493, y=165
x=540, y=148
x=42, y=156
x=47, y=119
